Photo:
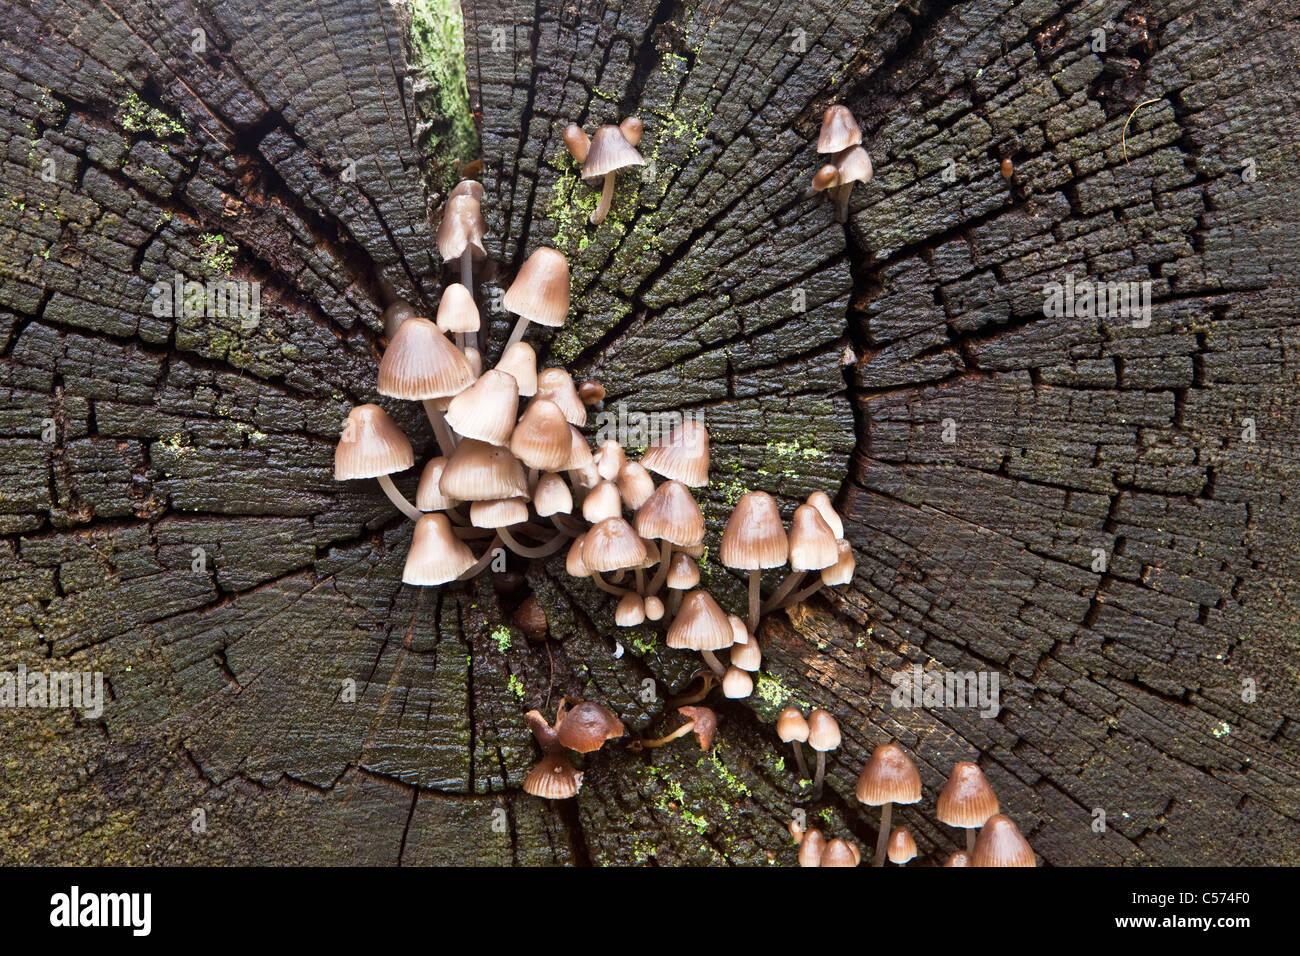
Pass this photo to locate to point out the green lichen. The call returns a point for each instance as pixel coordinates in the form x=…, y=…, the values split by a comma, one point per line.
x=502, y=637
x=515, y=686
x=139, y=117
x=218, y=252
x=437, y=43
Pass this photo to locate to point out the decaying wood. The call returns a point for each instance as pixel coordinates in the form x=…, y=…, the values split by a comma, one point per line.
x=306, y=148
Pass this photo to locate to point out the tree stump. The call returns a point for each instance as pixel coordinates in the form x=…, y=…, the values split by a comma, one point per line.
x=1100, y=512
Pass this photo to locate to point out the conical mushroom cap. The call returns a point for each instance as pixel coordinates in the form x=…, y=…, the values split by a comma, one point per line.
x=457, y=311
x=705, y=723
x=1000, y=843
x=420, y=363
x=477, y=471
x=498, y=513
x=822, y=502
x=811, y=848
x=540, y=292
x=587, y=726
x=630, y=611
x=428, y=496
x=700, y=625
x=462, y=228
x=812, y=543
x=467, y=187
x=580, y=456
x=791, y=725
x=683, y=572
x=573, y=563
x=554, y=778
x=889, y=777
x=371, y=445
x=475, y=359
x=635, y=485
x=853, y=166
x=671, y=514
x=901, y=845
x=610, y=459
x=541, y=439
x=393, y=316
x=576, y=142
x=486, y=410
x=520, y=362
x=754, y=537
x=825, y=178
x=552, y=496
x=737, y=684
x=823, y=731
x=436, y=555
x=612, y=545
x=609, y=151
x=556, y=385
x=839, y=130
x=747, y=656
x=683, y=456
x=841, y=572
x=839, y=853
x=602, y=502
x=966, y=800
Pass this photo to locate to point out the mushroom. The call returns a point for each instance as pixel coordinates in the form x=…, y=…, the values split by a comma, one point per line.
x=611, y=545
x=754, y=539
x=630, y=611
x=467, y=187
x=958, y=859
x=635, y=485
x=498, y=513
x=792, y=728
x=458, y=315
x=889, y=777
x=967, y=801
x=811, y=847
x=671, y=516
x=736, y=683
x=576, y=142
x=747, y=655
x=552, y=496
x=554, y=778
x=851, y=166
x=574, y=566
x=460, y=235
x=610, y=459
x=823, y=736
x=840, y=853
x=393, y=317
x=486, y=410
x=428, y=496
x=586, y=727
x=700, y=720
x=477, y=471
x=654, y=608
x=812, y=548
x=1000, y=844
x=420, y=365
x=372, y=446
x=901, y=846
x=556, y=385
x=683, y=574
x=591, y=393
x=839, y=130
x=701, y=626
x=540, y=292
x=541, y=438
x=683, y=456
x=603, y=501
x=520, y=362
x=436, y=555
x=610, y=151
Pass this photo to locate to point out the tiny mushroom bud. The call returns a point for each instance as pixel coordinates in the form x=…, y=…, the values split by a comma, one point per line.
x=573, y=563
x=591, y=393
x=552, y=496
x=393, y=317
x=825, y=178
x=602, y=502
x=823, y=736
x=631, y=128
x=576, y=142
x=457, y=312
x=747, y=656
x=839, y=130
x=654, y=608
x=1008, y=168
x=630, y=611
x=901, y=846
x=737, y=684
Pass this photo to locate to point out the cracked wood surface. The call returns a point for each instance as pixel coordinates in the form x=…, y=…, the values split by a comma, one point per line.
x=1121, y=689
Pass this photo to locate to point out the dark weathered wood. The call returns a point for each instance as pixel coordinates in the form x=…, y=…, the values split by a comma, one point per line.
x=1121, y=689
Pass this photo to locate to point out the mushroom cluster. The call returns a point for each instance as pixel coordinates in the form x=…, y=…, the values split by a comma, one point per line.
x=849, y=162
x=816, y=850
x=583, y=729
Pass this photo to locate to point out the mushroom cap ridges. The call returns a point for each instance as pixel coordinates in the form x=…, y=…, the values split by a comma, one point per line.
x=609, y=151
x=682, y=456
x=889, y=777
x=436, y=555
x=967, y=800
x=612, y=545
x=812, y=542
x=839, y=130
x=540, y=292
x=700, y=625
x=671, y=514
x=554, y=778
x=486, y=410
x=754, y=537
x=902, y=847
x=421, y=363
x=1000, y=843
x=477, y=471
x=823, y=731
x=371, y=445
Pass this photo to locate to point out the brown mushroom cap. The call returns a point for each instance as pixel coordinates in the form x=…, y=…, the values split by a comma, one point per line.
x=498, y=513
x=671, y=514
x=486, y=410
x=682, y=456
x=552, y=496
x=603, y=501
x=393, y=316
x=823, y=731
x=700, y=625
x=654, y=608
x=822, y=502
x=683, y=572
x=580, y=457
x=477, y=471
x=853, y=166
x=462, y=228
x=754, y=537
x=901, y=845
x=556, y=385
x=612, y=545
x=889, y=777
x=467, y=187
x=630, y=611
x=635, y=485
x=436, y=555
x=966, y=800
x=841, y=572
x=811, y=848
x=520, y=362
x=371, y=445
x=541, y=439
x=957, y=859
x=632, y=128
x=825, y=178
x=610, y=459
x=457, y=311
x=705, y=721
x=609, y=151
x=540, y=292
x=747, y=656
x=421, y=363
x=428, y=496
x=591, y=392
x=999, y=843
x=737, y=684
x=791, y=725
x=839, y=853
x=576, y=142
x=839, y=130
x=587, y=726
x=554, y=778
x=574, y=566
x=812, y=543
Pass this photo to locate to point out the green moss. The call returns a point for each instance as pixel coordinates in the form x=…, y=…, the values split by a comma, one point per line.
x=139, y=117
x=502, y=636
x=515, y=686
x=218, y=252
x=438, y=49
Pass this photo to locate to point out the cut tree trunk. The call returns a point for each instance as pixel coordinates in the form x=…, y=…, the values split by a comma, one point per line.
x=1099, y=513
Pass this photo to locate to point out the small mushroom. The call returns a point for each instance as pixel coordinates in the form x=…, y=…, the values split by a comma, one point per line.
x=823, y=736
x=902, y=847
x=372, y=446
x=889, y=777
x=591, y=393
x=586, y=727
x=609, y=152
x=540, y=292
x=554, y=778
x=436, y=555
x=840, y=853
x=1000, y=844
x=460, y=235
x=737, y=684
x=700, y=720
x=486, y=410
x=701, y=626
x=421, y=365
x=958, y=859
x=792, y=728
x=811, y=847
x=753, y=540
x=839, y=130
x=393, y=317
x=630, y=611
x=576, y=142
x=682, y=456
x=967, y=801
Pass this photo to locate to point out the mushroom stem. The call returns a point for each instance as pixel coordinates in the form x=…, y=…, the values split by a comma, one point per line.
x=792, y=580
x=467, y=270
x=841, y=194
x=446, y=438
x=516, y=334
x=798, y=759
x=640, y=581
x=715, y=665
x=800, y=596
x=970, y=841
x=882, y=840
x=606, y=586
x=699, y=695
x=568, y=525
x=541, y=551
x=681, y=731
x=606, y=197
x=755, y=581
x=674, y=603
x=399, y=499
x=821, y=775
x=482, y=562
x=661, y=575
